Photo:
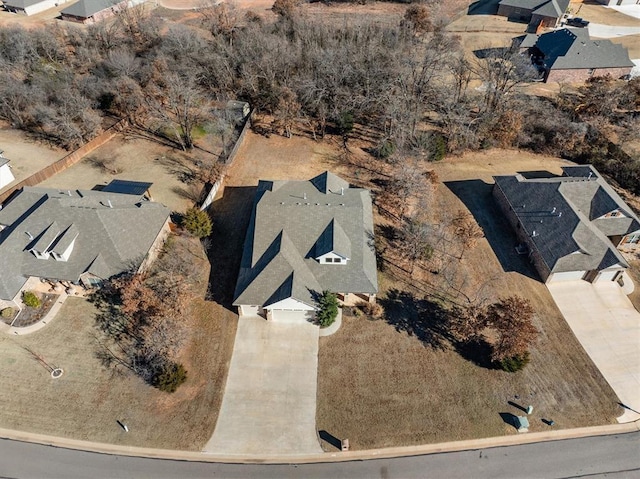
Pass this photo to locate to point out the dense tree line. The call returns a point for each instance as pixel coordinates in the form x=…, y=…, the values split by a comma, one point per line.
x=401, y=79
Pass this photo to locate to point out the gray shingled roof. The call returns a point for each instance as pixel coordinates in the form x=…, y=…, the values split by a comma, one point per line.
x=571, y=48
x=560, y=215
x=3, y=160
x=547, y=8
x=553, y=8
x=88, y=8
x=21, y=3
x=292, y=223
x=112, y=233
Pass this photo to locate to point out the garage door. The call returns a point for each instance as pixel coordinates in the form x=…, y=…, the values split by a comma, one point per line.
x=291, y=315
x=567, y=276
x=607, y=275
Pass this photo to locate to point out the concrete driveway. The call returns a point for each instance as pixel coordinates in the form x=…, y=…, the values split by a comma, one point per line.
x=269, y=403
x=597, y=30
x=608, y=327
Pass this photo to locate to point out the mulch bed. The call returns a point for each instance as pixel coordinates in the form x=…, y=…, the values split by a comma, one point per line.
x=30, y=316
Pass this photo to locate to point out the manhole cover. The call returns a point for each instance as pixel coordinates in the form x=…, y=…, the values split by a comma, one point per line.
x=56, y=373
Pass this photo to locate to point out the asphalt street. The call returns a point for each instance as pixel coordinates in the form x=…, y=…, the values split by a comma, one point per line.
x=615, y=456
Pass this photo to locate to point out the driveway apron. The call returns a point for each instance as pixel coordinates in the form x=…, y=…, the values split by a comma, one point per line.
x=269, y=403
x=608, y=327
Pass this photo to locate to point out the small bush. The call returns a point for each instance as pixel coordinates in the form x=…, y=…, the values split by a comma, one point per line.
x=385, y=149
x=30, y=299
x=516, y=363
x=433, y=143
x=197, y=222
x=7, y=313
x=374, y=310
x=169, y=377
x=328, y=309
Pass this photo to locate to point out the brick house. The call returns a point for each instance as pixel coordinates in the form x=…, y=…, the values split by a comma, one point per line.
x=572, y=226
x=570, y=55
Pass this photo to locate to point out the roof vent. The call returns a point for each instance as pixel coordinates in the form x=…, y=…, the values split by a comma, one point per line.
x=560, y=214
x=69, y=192
x=342, y=191
x=328, y=204
x=29, y=235
x=304, y=196
x=534, y=234
x=553, y=210
x=109, y=203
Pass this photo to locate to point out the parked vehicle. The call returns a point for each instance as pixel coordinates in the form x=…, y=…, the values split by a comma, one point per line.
x=577, y=22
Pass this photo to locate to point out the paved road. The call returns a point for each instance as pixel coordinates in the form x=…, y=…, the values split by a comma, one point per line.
x=597, y=30
x=615, y=456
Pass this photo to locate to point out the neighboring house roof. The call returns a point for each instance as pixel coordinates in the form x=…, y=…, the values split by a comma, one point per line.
x=553, y=9
x=562, y=215
x=3, y=160
x=21, y=3
x=88, y=8
x=109, y=233
x=568, y=49
x=295, y=222
x=546, y=8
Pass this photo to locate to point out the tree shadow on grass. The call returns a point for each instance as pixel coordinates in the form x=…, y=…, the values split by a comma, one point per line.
x=426, y=320
x=230, y=215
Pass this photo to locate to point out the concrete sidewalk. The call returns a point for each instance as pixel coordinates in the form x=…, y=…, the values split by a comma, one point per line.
x=269, y=403
x=608, y=327
x=597, y=30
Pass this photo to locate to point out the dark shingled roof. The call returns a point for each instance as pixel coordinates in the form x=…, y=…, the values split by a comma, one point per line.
x=294, y=222
x=110, y=233
x=546, y=8
x=563, y=217
x=571, y=48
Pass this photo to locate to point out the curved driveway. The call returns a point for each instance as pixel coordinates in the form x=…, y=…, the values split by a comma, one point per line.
x=614, y=456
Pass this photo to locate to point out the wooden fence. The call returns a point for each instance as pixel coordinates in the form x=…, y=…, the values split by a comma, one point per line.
x=228, y=161
x=67, y=161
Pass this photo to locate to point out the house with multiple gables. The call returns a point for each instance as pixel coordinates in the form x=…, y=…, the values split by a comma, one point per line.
x=78, y=236
x=537, y=13
x=572, y=226
x=305, y=237
x=570, y=55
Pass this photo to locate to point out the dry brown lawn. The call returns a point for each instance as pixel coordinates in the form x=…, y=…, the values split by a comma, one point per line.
x=88, y=399
x=395, y=382
x=133, y=157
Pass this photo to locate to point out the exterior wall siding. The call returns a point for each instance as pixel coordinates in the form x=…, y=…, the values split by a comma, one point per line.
x=583, y=74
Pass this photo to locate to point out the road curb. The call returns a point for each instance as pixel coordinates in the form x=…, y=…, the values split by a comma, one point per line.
x=387, y=453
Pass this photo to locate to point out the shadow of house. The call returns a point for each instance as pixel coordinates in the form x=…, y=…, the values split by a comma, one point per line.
x=230, y=215
x=483, y=7
x=477, y=197
x=497, y=52
x=331, y=439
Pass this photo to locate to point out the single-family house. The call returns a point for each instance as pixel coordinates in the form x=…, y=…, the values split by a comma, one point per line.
x=537, y=13
x=305, y=237
x=572, y=226
x=6, y=176
x=78, y=236
x=92, y=11
x=30, y=7
x=569, y=55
